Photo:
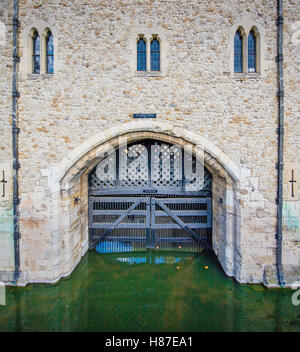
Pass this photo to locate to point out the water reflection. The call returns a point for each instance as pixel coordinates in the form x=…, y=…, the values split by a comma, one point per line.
x=107, y=246
x=149, y=259
x=115, y=247
x=148, y=291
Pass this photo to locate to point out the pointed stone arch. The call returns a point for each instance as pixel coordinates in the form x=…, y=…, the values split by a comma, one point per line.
x=69, y=181
x=167, y=131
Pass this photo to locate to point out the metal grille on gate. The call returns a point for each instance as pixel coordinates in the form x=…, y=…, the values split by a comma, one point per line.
x=136, y=208
x=150, y=220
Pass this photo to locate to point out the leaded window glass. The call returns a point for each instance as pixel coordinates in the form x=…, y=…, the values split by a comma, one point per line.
x=155, y=55
x=141, y=55
x=49, y=53
x=36, y=53
x=251, y=52
x=238, y=52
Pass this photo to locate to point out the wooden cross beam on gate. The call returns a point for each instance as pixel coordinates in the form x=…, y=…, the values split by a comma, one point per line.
x=182, y=224
x=116, y=223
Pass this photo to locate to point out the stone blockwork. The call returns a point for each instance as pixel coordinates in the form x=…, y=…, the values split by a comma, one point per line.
x=291, y=205
x=6, y=212
x=94, y=90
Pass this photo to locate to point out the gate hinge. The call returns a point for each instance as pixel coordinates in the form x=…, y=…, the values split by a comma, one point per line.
x=279, y=58
x=280, y=93
x=279, y=166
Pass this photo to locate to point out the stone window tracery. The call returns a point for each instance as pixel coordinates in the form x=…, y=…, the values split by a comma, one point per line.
x=247, y=48
x=39, y=43
x=148, y=46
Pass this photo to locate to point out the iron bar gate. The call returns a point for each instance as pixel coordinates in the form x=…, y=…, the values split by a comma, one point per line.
x=149, y=202
x=152, y=221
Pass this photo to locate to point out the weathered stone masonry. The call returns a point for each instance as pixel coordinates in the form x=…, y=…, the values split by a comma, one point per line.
x=68, y=118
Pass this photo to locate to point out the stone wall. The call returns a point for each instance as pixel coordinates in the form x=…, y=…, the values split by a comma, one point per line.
x=94, y=89
x=291, y=205
x=6, y=212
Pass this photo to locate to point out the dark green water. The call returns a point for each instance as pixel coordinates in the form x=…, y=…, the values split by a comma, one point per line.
x=148, y=291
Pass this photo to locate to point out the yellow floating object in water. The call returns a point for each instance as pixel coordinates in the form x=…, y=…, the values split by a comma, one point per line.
x=206, y=267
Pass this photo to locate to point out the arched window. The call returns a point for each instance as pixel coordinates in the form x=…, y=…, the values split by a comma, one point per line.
x=141, y=55
x=247, y=47
x=36, y=53
x=155, y=55
x=238, y=52
x=252, y=52
x=49, y=53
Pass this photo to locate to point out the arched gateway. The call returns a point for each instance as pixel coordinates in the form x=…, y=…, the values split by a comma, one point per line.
x=150, y=198
x=150, y=194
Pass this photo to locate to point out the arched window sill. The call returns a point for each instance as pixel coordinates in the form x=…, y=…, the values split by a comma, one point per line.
x=34, y=76
x=148, y=74
x=48, y=75
x=249, y=75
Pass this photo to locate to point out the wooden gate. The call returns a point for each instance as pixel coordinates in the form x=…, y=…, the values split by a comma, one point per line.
x=149, y=195
x=150, y=220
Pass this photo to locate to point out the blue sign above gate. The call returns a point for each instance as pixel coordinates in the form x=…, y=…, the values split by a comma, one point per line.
x=144, y=116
